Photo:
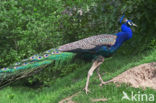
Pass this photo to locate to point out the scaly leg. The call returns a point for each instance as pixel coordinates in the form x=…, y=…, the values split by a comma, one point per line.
x=95, y=65
x=100, y=78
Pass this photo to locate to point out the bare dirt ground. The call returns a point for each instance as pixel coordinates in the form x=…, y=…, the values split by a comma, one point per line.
x=99, y=100
x=143, y=76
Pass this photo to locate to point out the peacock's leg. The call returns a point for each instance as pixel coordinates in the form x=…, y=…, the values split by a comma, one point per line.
x=100, y=78
x=95, y=65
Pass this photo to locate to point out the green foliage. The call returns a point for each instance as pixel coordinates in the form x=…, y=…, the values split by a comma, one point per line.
x=54, y=71
x=27, y=27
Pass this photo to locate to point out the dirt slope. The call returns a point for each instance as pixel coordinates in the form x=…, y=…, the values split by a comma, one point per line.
x=143, y=75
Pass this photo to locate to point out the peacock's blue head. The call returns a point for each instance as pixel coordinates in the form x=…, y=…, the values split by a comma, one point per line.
x=127, y=22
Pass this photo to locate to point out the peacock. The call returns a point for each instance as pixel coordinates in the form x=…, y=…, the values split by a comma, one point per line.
x=98, y=46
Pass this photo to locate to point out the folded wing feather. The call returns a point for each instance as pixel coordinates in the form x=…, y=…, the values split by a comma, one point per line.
x=89, y=43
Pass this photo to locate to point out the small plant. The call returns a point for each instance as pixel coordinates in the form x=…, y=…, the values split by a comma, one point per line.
x=11, y=97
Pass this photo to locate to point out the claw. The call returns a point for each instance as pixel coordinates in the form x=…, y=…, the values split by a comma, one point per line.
x=100, y=84
x=86, y=90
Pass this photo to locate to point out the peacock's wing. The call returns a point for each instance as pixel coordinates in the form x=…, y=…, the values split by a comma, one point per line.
x=89, y=43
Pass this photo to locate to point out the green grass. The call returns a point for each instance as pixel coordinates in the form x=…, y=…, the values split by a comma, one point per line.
x=75, y=82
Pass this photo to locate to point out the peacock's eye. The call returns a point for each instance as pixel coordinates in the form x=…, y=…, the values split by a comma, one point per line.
x=32, y=57
x=39, y=57
x=46, y=55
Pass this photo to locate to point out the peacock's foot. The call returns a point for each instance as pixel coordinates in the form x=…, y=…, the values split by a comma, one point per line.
x=86, y=90
x=104, y=83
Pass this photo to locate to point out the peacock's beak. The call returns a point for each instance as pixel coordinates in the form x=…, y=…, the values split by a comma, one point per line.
x=131, y=24
x=134, y=25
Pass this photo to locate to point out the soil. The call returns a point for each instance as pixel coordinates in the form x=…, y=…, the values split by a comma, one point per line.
x=143, y=76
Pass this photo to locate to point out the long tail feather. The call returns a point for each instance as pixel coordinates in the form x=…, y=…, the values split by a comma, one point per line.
x=31, y=65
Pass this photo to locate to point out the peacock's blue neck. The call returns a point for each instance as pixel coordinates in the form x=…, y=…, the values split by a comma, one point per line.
x=125, y=34
x=127, y=30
